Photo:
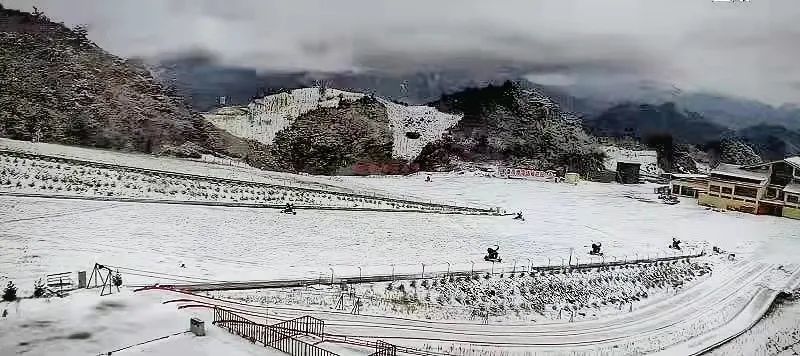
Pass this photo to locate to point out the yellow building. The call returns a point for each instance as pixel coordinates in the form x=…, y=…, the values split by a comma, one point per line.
x=771, y=188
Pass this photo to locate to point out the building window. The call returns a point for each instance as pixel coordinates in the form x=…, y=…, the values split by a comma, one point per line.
x=746, y=191
x=727, y=190
x=772, y=193
x=676, y=189
x=794, y=199
x=715, y=188
x=687, y=191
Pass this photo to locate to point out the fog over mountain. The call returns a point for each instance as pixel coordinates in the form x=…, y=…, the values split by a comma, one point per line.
x=742, y=49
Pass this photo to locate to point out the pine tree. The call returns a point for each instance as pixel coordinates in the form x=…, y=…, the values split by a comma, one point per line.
x=10, y=293
x=117, y=279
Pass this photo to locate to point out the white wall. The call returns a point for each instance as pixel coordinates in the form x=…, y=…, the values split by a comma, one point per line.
x=647, y=159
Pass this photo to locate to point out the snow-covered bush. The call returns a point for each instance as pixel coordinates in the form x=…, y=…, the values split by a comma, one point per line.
x=10, y=292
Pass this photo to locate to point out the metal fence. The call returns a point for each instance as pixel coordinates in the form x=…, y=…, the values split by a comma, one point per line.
x=305, y=325
x=384, y=349
x=271, y=336
x=60, y=280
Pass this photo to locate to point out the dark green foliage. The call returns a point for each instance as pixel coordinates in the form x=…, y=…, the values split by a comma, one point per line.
x=116, y=279
x=10, y=292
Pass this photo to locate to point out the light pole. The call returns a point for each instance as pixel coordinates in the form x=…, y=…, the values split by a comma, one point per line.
x=423, y=270
x=514, y=269
x=331, y=268
x=473, y=266
x=359, y=274
x=548, y=261
x=448, y=267
x=392, y=271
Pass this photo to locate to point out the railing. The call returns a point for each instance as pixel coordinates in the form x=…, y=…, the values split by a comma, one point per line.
x=59, y=279
x=303, y=325
x=270, y=336
x=384, y=349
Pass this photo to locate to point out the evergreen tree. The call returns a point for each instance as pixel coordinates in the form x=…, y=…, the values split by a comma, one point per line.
x=10, y=293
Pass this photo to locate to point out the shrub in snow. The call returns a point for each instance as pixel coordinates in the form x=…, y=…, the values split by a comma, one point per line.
x=117, y=279
x=10, y=292
x=38, y=289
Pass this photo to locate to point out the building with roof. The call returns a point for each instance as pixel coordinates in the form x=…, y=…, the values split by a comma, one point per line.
x=688, y=185
x=771, y=188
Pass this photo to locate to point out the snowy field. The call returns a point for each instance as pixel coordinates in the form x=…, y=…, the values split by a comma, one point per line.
x=87, y=324
x=519, y=297
x=778, y=333
x=214, y=168
x=41, y=236
x=48, y=236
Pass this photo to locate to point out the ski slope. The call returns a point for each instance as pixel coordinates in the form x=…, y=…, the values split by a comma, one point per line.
x=263, y=118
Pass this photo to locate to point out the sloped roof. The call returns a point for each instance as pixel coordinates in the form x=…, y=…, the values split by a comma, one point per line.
x=737, y=171
x=795, y=161
x=792, y=188
x=688, y=175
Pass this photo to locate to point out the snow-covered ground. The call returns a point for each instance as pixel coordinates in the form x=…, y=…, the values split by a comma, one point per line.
x=86, y=324
x=778, y=333
x=41, y=236
x=263, y=118
x=251, y=244
x=21, y=175
x=426, y=121
x=186, y=166
x=517, y=297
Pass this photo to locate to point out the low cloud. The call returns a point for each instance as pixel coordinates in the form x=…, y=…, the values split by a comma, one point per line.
x=747, y=49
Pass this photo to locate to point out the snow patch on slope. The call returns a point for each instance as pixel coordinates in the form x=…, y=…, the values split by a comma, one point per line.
x=263, y=118
x=425, y=121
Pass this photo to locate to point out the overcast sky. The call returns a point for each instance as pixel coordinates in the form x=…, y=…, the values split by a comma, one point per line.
x=749, y=49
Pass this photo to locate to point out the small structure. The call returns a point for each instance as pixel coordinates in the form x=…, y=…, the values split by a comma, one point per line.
x=197, y=327
x=631, y=165
x=572, y=178
x=628, y=173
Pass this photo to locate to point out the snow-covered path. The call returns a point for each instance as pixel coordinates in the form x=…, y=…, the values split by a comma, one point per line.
x=726, y=296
